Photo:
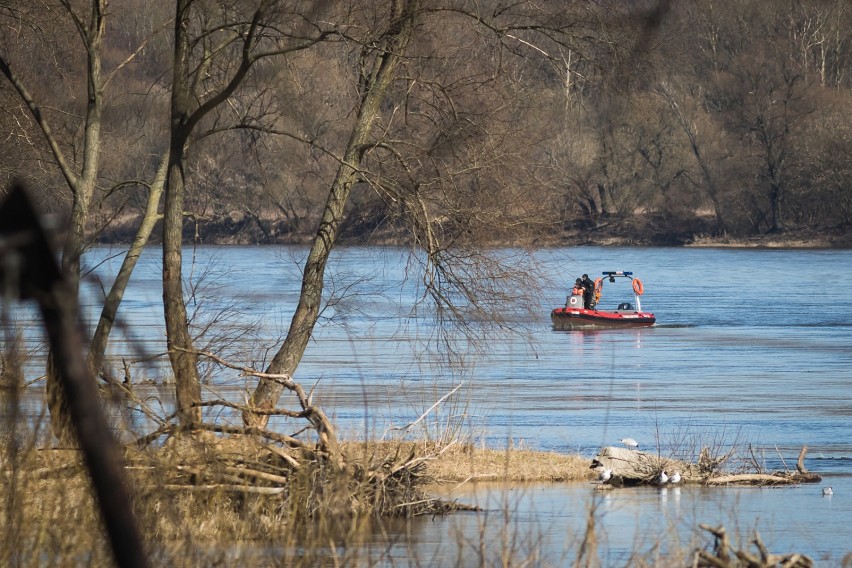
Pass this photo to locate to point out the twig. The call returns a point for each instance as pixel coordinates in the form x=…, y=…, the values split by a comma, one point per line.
x=34, y=381
x=143, y=441
x=782, y=459
x=279, y=377
x=46, y=472
x=253, y=431
x=431, y=408
x=243, y=408
x=245, y=472
x=754, y=459
x=291, y=461
x=412, y=503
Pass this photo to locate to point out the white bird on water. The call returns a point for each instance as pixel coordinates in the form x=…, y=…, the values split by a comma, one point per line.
x=675, y=478
x=605, y=475
x=630, y=443
x=663, y=478
x=827, y=491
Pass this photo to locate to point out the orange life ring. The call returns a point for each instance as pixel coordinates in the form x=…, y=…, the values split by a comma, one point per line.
x=637, y=287
x=598, y=284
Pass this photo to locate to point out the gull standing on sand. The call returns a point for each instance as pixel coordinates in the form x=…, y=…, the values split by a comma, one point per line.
x=827, y=491
x=675, y=478
x=630, y=443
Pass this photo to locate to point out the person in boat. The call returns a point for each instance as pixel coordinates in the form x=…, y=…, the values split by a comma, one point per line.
x=588, y=291
x=578, y=289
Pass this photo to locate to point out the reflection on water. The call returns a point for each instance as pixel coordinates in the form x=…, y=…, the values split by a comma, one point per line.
x=546, y=524
x=739, y=356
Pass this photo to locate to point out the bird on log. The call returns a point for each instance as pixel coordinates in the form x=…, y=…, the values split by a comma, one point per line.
x=634, y=467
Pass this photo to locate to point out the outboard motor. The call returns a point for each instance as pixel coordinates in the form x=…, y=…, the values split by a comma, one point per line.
x=575, y=301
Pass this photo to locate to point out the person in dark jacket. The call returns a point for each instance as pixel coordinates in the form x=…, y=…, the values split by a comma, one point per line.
x=588, y=291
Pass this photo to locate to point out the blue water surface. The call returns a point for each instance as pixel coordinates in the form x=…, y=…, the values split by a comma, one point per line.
x=752, y=352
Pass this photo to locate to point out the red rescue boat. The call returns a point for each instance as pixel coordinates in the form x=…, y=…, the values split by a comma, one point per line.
x=628, y=314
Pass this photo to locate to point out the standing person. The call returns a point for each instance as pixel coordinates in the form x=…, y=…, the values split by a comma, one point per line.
x=588, y=291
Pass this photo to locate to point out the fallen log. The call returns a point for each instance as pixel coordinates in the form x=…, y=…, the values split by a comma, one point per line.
x=634, y=467
x=750, y=479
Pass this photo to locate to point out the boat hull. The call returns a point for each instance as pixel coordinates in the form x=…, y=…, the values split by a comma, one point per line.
x=579, y=318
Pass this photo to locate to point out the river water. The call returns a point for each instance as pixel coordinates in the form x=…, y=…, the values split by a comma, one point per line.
x=753, y=349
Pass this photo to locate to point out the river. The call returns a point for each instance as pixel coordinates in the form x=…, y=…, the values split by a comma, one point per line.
x=753, y=348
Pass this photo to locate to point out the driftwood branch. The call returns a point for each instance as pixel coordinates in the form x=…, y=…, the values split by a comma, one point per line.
x=800, y=463
x=252, y=431
x=749, y=479
x=313, y=414
x=221, y=487
x=724, y=555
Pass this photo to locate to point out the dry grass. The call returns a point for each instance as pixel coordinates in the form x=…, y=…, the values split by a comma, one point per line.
x=468, y=463
x=464, y=462
x=200, y=500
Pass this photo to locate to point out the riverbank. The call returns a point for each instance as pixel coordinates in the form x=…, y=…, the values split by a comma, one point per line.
x=238, y=228
x=839, y=237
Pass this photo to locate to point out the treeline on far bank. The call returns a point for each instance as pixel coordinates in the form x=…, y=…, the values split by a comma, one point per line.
x=641, y=123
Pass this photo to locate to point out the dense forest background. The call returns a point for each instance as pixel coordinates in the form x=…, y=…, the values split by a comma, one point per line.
x=653, y=122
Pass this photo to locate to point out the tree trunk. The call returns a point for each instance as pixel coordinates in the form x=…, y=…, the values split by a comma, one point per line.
x=632, y=467
x=374, y=89
x=181, y=355
x=82, y=188
x=775, y=193
x=188, y=107
x=603, y=206
x=97, y=349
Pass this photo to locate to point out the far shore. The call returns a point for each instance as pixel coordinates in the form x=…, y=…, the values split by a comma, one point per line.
x=795, y=238
x=625, y=234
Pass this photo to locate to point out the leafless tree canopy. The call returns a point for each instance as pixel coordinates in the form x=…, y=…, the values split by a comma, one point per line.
x=506, y=121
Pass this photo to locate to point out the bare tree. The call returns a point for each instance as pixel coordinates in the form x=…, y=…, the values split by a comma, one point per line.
x=80, y=175
x=112, y=301
x=435, y=160
x=214, y=52
x=81, y=172
x=707, y=184
x=770, y=103
x=378, y=65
